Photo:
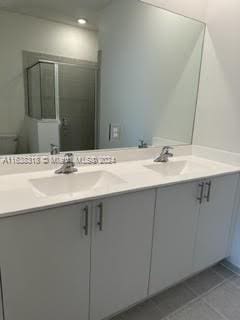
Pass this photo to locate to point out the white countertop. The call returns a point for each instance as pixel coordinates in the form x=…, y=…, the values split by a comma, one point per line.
x=18, y=196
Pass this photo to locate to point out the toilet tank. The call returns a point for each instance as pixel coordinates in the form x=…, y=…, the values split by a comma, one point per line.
x=8, y=144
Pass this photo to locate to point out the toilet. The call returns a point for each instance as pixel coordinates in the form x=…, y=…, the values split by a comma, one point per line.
x=8, y=144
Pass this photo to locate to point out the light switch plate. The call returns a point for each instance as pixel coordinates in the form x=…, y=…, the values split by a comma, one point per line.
x=114, y=132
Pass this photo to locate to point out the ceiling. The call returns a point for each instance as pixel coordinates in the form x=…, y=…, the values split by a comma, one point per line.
x=64, y=11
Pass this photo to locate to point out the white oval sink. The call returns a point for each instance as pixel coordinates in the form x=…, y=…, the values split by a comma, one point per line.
x=75, y=183
x=175, y=168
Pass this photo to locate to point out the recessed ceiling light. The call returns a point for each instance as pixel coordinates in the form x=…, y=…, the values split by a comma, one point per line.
x=82, y=21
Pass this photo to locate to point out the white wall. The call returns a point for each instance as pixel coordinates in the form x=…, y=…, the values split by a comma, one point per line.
x=18, y=33
x=149, y=75
x=218, y=116
x=196, y=9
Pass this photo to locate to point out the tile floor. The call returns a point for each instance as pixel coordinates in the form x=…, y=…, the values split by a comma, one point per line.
x=211, y=295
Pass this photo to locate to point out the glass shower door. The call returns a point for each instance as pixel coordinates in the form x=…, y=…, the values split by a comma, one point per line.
x=34, y=92
x=77, y=107
x=41, y=91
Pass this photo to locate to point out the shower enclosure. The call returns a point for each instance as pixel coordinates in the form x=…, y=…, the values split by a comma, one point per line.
x=62, y=104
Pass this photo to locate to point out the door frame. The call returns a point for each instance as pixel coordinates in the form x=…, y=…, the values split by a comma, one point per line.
x=85, y=65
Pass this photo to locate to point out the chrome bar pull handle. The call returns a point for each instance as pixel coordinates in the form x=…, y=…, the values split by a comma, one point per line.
x=201, y=186
x=209, y=189
x=100, y=219
x=86, y=221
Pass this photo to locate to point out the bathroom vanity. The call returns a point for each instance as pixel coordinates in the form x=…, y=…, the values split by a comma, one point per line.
x=88, y=245
x=92, y=251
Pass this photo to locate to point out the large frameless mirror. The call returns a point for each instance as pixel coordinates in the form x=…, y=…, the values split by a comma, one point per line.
x=131, y=80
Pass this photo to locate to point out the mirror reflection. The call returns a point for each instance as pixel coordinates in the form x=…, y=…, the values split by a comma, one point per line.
x=127, y=78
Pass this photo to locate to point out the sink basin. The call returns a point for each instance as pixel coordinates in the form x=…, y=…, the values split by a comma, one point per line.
x=175, y=168
x=75, y=183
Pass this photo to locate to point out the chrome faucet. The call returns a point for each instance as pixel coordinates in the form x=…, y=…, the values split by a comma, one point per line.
x=68, y=165
x=54, y=149
x=165, y=155
x=142, y=145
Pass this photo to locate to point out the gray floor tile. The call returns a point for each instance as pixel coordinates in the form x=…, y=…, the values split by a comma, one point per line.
x=144, y=311
x=235, y=281
x=196, y=311
x=173, y=299
x=223, y=272
x=226, y=300
x=231, y=267
x=204, y=281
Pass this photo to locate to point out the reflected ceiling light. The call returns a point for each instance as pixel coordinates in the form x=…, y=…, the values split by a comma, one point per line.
x=82, y=21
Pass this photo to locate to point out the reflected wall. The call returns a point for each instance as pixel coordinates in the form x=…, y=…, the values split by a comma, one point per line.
x=150, y=67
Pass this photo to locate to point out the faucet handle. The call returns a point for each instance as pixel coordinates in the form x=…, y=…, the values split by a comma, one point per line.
x=68, y=157
x=143, y=144
x=165, y=154
x=54, y=149
x=168, y=148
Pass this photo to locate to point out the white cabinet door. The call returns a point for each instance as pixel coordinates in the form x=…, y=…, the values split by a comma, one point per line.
x=45, y=263
x=121, y=250
x=214, y=223
x=175, y=225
